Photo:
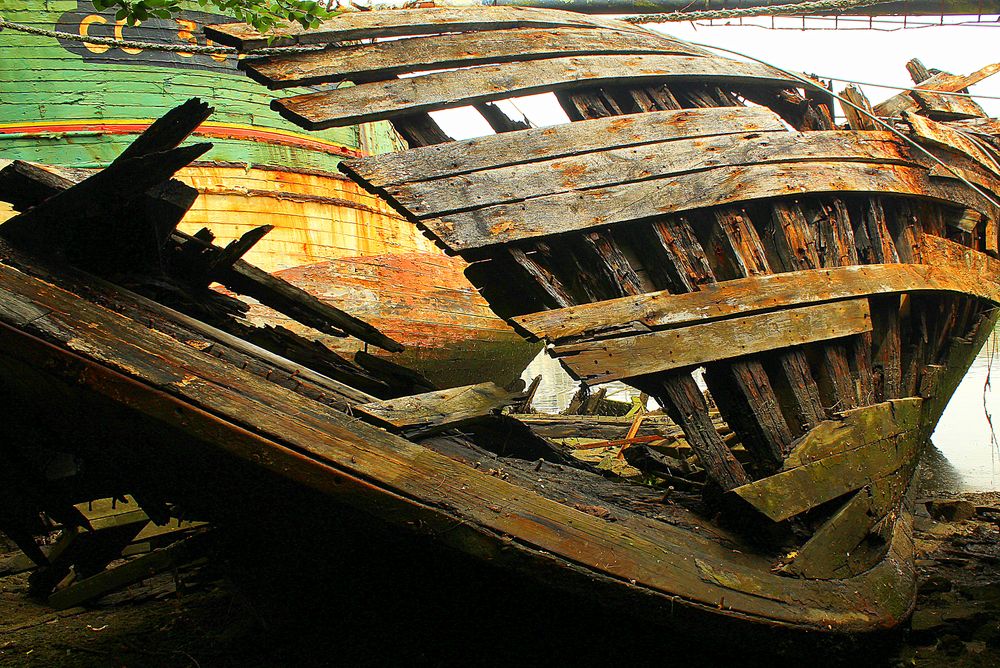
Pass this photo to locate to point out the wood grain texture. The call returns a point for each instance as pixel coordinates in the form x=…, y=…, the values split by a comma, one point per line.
x=620, y=166
x=399, y=481
x=886, y=445
x=611, y=359
x=438, y=409
x=634, y=201
x=351, y=26
x=557, y=141
x=950, y=138
x=384, y=60
x=387, y=100
x=943, y=81
x=950, y=268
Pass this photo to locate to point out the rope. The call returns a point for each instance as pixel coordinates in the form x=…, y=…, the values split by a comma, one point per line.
x=787, y=9
x=151, y=46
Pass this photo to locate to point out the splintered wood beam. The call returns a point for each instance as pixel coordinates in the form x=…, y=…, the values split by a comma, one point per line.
x=438, y=410
x=351, y=26
x=856, y=119
x=862, y=450
x=384, y=60
x=547, y=143
x=236, y=249
x=830, y=552
x=168, y=131
x=950, y=138
x=611, y=359
x=385, y=100
x=616, y=166
x=949, y=83
x=592, y=207
x=951, y=268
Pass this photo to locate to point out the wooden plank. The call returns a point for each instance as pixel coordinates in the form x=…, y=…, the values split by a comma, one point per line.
x=854, y=429
x=386, y=100
x=565, y=212
x=616, y=166
x=950, y=138
x=947, y=107
x=440, y=409
x=351, y=26
x=794, y=491
x=856, y=119
x=612, y=359
x=827, y=554
x=546, y=143
x=950, y=83
x=950, y=272
x=404, y=483
x=384, y=60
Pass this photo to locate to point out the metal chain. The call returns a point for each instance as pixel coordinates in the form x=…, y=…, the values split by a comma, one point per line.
x=152, y=46
x=788, y=9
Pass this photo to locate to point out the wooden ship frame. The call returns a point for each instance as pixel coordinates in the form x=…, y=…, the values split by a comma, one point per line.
x=697, y=212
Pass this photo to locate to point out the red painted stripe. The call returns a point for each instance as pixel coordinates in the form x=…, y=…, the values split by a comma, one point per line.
x=206, y=130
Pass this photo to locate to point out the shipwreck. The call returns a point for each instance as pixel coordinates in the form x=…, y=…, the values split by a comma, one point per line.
x=694, y=212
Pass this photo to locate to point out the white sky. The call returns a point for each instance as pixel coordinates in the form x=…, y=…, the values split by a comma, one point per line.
x=877, y=56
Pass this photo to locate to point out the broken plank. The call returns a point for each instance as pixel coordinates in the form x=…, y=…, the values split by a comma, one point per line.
x=950, y=138
x=546, y=143
x=616, y=166
x=439, y=409
x=386, y=100
x=854, y=428
x=827, y=554
x=789, y=493
x=384, y=60
x=582, y=209
x=744, y=296
x=128, y=573
x=944, y=82
x=351, y=26
x=612, y=359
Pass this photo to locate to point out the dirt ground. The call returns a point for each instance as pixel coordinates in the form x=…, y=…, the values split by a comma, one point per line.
x=199, y=617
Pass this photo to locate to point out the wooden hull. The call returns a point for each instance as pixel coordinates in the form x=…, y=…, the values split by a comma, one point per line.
x=75, y=105
x=699, y=212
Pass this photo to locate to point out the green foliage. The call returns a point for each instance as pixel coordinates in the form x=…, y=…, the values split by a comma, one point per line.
x=261, y=14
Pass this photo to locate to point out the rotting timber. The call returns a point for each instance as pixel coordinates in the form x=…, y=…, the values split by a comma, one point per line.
x=834, y=282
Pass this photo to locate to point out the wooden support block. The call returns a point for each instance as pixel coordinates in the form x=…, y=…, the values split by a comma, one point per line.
x=611, y=359
x=433, y=411
x=950, y=138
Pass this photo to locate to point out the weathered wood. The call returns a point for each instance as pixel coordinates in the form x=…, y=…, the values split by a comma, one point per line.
x=384, y=60
x=855, y=428
x=796, y=490
x=686, y=406
x=547, y=282
x=546, y=143
x=420, y=130
x=128, y=573
x=858, y=120
x=611, y=359
x=950, y=83
x=950, y=268
x=950, y=138
x=887, y=357
x=437, y=410
x=235, y=250
x=168, y=131
x=616, y=166
x=352, y=26
x=745, y=396
x=945, y=106
x=498, y=120
x=443, y=90
x=405, y=483
x=633, y=201
x=827, y=554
